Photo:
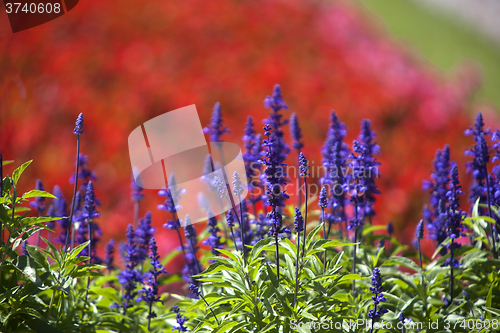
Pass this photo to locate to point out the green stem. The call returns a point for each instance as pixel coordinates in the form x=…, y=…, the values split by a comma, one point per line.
x=296, y=271
x=354, y=259
x=242, y=231
x=51, y=303
x=204, y=300
x=74, y=196
x=305, y=219
x=324, y=237
x=492, y=230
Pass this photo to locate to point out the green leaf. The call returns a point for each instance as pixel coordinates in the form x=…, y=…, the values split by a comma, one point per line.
x=313, y=233
x=494, y=311
x=18, y=172
x=37, y=193
x=260, y=246
x=76, y=251
x=37, y=256
x=350, y=277
x=55, y=253
x=402, y=261
x=28, y=267
x=7, y=162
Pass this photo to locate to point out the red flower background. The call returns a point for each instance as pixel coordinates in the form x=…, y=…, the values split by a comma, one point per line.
x=124, y=62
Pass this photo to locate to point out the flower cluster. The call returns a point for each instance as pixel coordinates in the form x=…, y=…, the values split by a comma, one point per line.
x=216, y=128
x=130, y=276
x=150, y=294
x=213, y=240
x=378, y=298
x=143, y=234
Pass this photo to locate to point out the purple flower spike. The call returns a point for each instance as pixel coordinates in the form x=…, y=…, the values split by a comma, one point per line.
x=79, y=125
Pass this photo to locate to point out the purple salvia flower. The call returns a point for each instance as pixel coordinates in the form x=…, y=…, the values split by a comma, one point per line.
x=180, y=319
x=109, y=256
x=84, y=174
x=90, y=211
x=366, y=162
x=339, y=184
x=376, y=289
x=38, y=202
x=298, y=221
x=273, y=174
x=336, y=135
x=249, y=234
x=79, y=125
x=143, y=235
x=192, y=264
x=480, y=155
x=276, y=219
x=61, y=210
x=137, y=191
x=150, y=294
x=23, y=247
x=251, y=157
x=169, y=204
x=261, y=229
x=390, y=228
x=276, y=104
x=237, y=185
x=89, y=214
x=230, y=218
x=419, y=233
x=303, y=165
x=453, y=216
x=216, y=128
x=323, y=198
x=437, y=186
x=213, y=240
x=130, y=276
x=296, y=132
x=335, y=153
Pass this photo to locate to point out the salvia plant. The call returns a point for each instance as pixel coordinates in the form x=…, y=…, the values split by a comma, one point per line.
x=323, y=263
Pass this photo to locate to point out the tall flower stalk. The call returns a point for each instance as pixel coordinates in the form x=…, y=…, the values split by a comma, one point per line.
x=299, y=227
x=230, y=224
x=77, y=131
x=274, y=191
x=454, y=227
x=323, y=203
x=238, y=191
x=304, y=167
x=419, y=235
x=196, y=291
x=213, y=240
x=89, y=214
x=251, y=157
x=481, y=187
x=192, y=264
x=169, y=206
x=150, y=294
x=130, y=276
x=137, y=195
x=335, y=153
x=180, y=319
x=376, y=288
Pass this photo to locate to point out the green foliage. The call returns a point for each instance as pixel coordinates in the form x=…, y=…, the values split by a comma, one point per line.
x=45, y=290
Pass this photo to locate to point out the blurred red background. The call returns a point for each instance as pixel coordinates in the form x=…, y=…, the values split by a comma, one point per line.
x=124, y=62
